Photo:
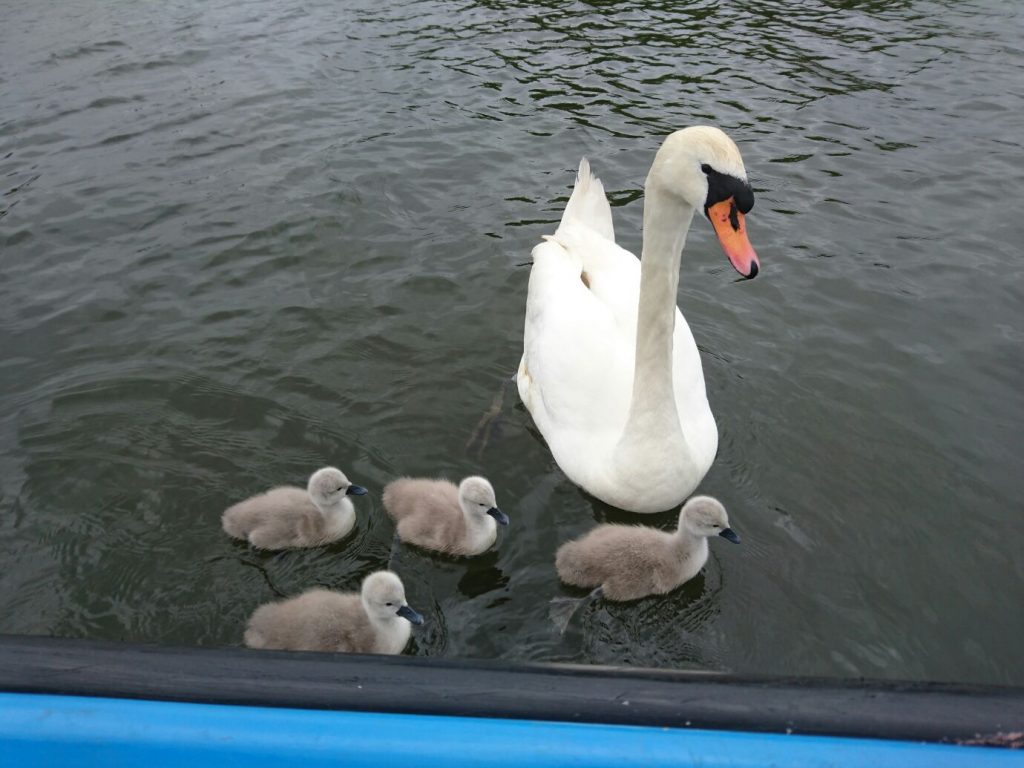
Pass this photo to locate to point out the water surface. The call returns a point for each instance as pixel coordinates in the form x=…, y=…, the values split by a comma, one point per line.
x=240, y=240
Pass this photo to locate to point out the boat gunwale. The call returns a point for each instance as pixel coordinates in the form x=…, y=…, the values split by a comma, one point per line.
x=882, y=709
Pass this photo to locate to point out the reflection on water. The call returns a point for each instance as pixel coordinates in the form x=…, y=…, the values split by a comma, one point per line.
x=242, y=240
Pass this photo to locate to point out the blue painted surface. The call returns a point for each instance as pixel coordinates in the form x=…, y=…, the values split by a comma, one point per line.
x=37, y=730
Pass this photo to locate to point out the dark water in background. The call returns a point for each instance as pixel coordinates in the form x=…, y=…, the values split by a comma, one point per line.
x=242, y=240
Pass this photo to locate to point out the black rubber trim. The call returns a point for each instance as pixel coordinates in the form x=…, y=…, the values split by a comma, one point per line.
x=918, y=712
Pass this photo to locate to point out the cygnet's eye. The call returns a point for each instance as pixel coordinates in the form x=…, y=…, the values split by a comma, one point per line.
x=716, y=525
x=483, y=504
x=389, y=604
x=339, y=489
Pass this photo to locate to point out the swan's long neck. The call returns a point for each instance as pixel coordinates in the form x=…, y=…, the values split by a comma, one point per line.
x=688, y=544
x=652, y=408
x=481, y=530
x=392, y=631
x=338, y=517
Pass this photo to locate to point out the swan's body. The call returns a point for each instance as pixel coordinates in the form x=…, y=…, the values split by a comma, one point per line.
x=289, y=518
x=375, y=620
x=437, y=515
x=610, y=371
x=628, y=562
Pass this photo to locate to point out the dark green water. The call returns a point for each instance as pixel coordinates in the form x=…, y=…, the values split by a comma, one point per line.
x=242, y=240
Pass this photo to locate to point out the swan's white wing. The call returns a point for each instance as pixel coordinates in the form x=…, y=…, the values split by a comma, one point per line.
x=576, y=374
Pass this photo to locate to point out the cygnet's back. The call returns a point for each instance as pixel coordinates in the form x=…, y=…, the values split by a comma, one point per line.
x=438, y=515
x=289, y=517
x=375, y=620
x=317, y=620
x=630, y=562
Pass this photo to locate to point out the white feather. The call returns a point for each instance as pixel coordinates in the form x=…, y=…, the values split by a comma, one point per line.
x=580, y=340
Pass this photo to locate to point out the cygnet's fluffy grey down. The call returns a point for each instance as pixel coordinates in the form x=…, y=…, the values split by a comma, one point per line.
x=290, y=518
x=375, y=620
x=628, y=562
x=436, y=515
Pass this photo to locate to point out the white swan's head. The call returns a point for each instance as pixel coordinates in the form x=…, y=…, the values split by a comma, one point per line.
x=328, y=486
x=705, y=516
x=703, y=166
x=383, y=598
x=476, y=496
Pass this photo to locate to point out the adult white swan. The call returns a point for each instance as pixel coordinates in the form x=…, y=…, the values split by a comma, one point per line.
x=610, y=371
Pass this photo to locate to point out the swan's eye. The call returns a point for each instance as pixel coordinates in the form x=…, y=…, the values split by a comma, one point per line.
x=722, y=186
x=389, y=605
x=483, y=505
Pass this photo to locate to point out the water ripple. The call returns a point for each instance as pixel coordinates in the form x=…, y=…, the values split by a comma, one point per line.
x=242, y=240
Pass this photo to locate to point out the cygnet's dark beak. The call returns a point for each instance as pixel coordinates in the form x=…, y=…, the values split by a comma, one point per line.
x=498, y=515
x=730, y=535
x=355, y=490
x=408, y=613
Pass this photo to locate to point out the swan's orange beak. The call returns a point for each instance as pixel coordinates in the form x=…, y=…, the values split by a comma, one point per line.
x=732, y=234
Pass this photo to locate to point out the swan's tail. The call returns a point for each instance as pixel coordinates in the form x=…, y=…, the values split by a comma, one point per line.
x=254, y=639
x=233, y=526
x=588, y=204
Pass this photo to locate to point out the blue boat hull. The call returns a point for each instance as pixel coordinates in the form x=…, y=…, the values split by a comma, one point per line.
x=105, y=704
